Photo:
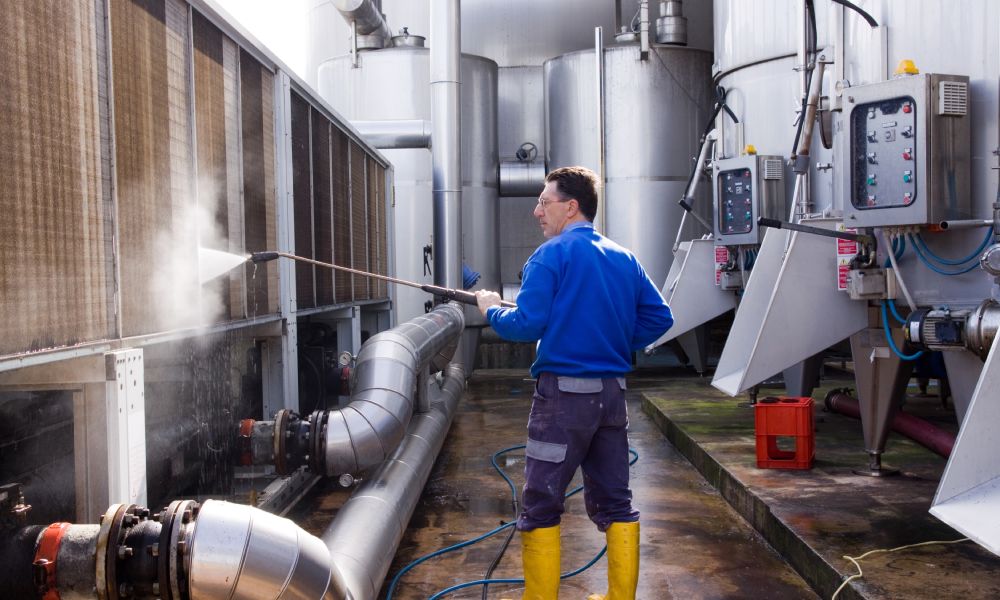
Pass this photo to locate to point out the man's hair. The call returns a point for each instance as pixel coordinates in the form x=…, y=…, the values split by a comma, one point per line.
x=580, y=184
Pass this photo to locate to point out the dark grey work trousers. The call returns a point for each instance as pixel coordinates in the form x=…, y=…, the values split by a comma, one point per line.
x=574, y=423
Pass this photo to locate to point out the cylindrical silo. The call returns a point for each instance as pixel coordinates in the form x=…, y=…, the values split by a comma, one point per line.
x=757, y=44
x=654, y=113
x=393, y=84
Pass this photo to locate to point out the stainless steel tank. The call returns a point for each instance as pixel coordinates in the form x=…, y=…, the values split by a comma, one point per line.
x=392, y=84
x=655, y=111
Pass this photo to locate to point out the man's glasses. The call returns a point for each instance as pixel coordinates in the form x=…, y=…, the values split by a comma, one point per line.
x=545, y=203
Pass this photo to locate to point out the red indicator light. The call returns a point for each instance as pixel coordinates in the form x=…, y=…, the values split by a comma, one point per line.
x=907, y=108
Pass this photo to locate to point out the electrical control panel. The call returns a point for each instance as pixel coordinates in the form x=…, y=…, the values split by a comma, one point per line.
x=907, y=150
x=746, y=187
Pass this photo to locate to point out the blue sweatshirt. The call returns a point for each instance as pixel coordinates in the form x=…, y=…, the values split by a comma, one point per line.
x=588, y=301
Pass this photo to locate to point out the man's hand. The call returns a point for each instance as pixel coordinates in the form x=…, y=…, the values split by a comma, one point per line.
x=486, y=299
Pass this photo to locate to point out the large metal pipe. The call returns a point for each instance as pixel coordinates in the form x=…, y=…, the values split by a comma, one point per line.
x=369, y=429
x=365, y=18
x=519, y=179
x=368, y=528
x=924, y=433
x=446, y=163
x=395, y=134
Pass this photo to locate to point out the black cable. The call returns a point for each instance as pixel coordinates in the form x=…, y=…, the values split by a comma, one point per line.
x=497, y=559
x=723, y=74
x=867, y=17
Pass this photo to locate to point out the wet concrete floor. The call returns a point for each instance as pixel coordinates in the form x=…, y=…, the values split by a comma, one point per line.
x=816, y=517
x=694, y=544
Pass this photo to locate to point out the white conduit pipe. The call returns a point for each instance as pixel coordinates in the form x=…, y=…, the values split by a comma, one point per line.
x=895, y=271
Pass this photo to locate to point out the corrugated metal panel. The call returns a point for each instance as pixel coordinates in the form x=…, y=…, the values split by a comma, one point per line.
x=383, y=232
x=234, y=174
x=341, y=184
x=56, y=270
x=218, y=148
x=359, y=218
x=256, y=109
x=322, y=207
x=267, y=129
x=375, y=218
x=302, y=201
x=158, y=249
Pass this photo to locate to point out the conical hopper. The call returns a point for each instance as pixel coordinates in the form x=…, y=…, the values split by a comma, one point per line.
x=791, y=310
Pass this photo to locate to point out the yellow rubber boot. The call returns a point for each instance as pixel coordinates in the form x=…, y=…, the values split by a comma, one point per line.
x=623, y=562
x=540, y=559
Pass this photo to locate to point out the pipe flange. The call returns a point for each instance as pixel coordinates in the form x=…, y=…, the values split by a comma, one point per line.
x=317, y=430
x=173, y=548
x=281, y=420
x=115, y=524
x=990, y=260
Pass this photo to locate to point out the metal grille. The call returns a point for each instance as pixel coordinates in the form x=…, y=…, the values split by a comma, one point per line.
x=359, y=218
x=773, y=169
x=375, y=219
x=322, y=209
x=157, y=246
x=302, y=200
x=383, y=245
x=953, y=98
x=258, y=181
x=56, y=273
x=341, y=186
x=271, y=224
x=218, y=148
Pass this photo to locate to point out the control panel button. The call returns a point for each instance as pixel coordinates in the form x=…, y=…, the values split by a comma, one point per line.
x=908, y=154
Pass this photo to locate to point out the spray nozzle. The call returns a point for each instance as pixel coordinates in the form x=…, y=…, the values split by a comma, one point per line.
x=259, y=257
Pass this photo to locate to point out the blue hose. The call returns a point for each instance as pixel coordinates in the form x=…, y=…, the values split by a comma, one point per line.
x=460, y=545
x=932, y=267
x=888, y=336
x=918, y=241
x=460, y=586
x=895, y=312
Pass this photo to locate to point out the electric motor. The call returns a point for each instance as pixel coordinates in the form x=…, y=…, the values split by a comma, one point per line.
x=946, y=329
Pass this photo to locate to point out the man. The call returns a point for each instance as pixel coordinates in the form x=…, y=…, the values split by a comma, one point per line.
x=589, y=304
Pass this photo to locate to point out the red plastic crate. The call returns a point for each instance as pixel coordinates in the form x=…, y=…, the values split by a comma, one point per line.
x=785, y=417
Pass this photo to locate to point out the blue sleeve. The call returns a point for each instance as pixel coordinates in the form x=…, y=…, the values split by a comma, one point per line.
x=652, y=315
x=527, y=322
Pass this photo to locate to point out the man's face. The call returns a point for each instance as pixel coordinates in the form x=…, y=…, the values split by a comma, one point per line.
x=552, y=211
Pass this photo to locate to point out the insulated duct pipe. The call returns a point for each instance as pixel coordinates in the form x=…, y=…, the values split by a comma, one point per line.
x=446, y=140
x=397, y=134
x=209, y=551
x=365, y=18
x=520, y=179
x=924, y=433
x=365, y=432
x=368, y=528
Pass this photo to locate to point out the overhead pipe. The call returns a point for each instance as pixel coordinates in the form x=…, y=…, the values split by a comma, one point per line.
x=919, y=430
x=395, y=134
x=446, y=140
x=365, y=19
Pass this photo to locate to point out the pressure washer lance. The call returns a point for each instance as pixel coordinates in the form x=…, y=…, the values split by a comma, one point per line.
x=456, y=295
